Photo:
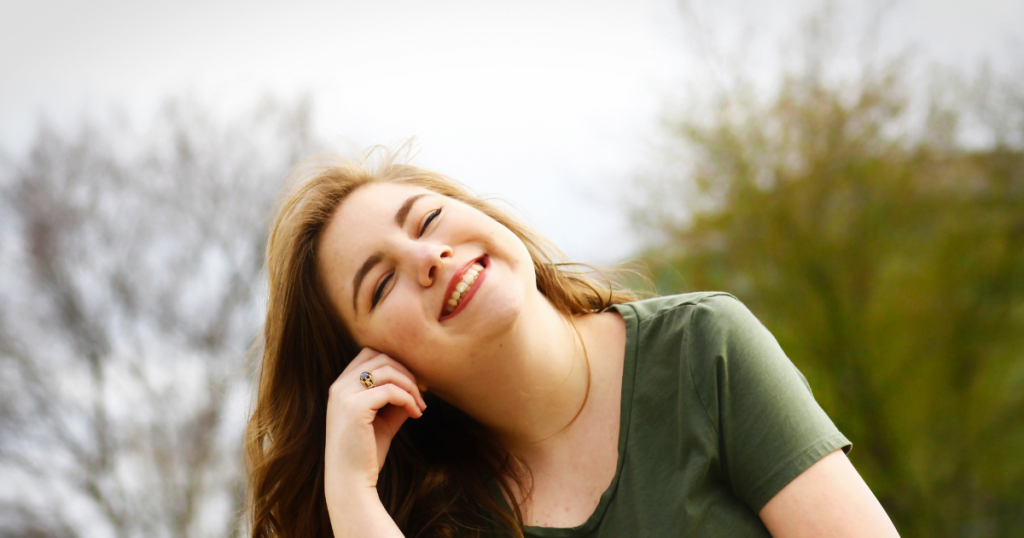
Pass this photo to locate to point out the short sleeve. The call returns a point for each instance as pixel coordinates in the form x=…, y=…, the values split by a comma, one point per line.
x=769, y=427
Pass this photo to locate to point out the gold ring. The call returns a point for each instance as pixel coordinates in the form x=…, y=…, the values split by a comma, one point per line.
x=366, y=379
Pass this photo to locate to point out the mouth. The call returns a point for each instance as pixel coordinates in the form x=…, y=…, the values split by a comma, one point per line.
x=463, y=286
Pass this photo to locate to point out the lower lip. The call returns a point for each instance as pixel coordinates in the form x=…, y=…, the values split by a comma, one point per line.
x=469, y=293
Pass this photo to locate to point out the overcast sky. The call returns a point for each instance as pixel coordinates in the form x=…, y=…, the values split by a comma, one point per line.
x=552, y=105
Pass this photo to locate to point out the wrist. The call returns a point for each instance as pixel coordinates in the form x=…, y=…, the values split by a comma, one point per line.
x=358, y=512
x=350, y=495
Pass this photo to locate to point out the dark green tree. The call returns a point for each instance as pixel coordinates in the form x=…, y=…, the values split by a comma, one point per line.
x=888, y=261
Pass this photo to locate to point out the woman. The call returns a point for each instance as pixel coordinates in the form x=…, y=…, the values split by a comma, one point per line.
x=542, y=403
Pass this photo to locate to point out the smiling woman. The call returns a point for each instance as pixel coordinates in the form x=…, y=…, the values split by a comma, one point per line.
x=559, y=406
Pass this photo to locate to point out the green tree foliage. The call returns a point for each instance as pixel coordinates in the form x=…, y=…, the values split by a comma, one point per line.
x=888, y=263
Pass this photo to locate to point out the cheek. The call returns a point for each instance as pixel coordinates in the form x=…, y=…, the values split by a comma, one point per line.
x=398, y=335
x=519, y=259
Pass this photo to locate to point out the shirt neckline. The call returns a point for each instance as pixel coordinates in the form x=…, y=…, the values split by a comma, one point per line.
x=629, y=316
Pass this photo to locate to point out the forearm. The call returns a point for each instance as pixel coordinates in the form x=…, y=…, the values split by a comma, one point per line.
x=361, y=515
x=361, y=422
x=828, y=499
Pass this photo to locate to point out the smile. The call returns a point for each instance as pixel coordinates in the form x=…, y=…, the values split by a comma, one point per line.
x=462, y=287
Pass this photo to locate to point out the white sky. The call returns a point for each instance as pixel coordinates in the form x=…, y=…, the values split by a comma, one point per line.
x=551, y=105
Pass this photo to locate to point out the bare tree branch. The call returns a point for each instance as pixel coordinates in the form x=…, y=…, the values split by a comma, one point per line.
x=136, y=266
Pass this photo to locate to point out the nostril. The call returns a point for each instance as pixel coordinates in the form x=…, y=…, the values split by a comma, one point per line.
x=430, y=273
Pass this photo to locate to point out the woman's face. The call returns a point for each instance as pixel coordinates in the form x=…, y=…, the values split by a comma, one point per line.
x=425, y=279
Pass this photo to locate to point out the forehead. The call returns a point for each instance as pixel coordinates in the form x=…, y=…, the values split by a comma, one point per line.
x=364, y=214
x=360, y=227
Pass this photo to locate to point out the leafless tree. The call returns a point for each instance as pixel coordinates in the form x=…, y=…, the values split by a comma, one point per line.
x=130, y=296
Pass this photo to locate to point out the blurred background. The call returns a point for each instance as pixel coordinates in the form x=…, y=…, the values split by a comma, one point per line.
x=852, y=171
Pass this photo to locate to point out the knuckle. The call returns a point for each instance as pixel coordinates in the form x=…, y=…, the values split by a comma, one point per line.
x=336, y=389
x=398, y=367
x=341, y=404
x=397, y=392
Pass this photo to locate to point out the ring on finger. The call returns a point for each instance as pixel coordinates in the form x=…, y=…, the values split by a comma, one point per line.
x=366, y=378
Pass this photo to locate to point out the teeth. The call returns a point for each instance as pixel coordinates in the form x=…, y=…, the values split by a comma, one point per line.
x=460, y=289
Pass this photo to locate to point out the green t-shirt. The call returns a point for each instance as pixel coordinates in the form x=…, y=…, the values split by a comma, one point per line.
x=715, y=421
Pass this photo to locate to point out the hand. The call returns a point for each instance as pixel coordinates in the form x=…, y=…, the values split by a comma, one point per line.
x=361, y=422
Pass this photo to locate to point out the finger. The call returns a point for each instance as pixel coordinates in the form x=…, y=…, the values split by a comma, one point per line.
x=377, y=397
x=364, y=355
x=390, y=419
x=382, y=361
x=389, y=374
x=369, y=360
x=349, y=381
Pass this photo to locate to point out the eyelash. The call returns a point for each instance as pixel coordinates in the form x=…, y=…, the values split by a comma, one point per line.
x=380, y=289
x=430, y=217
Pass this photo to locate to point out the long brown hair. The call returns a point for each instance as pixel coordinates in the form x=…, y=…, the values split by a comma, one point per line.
x=435, y=478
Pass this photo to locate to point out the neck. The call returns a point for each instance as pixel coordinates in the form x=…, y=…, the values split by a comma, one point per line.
x=532, y=382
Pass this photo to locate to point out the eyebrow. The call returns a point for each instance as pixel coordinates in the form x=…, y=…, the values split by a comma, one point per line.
x=403, y=211
x=377, y=257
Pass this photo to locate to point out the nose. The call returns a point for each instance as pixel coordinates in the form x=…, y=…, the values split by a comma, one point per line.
x=430, y=258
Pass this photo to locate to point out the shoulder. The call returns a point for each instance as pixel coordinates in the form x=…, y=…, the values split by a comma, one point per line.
x=709, y=333
x=682, y=305
x=667, y=335
x=708, y=315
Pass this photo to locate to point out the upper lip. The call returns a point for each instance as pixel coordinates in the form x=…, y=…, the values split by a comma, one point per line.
x=456, y=278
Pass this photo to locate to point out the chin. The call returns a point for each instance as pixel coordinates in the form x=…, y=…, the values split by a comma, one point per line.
x=500, y=311
x=495, y=309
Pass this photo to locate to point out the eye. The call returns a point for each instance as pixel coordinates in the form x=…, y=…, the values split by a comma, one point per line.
x=430, y=217
x=380, y=290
